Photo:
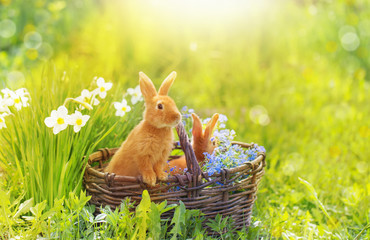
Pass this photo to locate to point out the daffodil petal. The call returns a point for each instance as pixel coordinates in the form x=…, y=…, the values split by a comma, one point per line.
x=96, y=102
x=108, y=86
x=67, y=120
x=85, y=118
x=63, y=126
x=76, y=128
x=85, y=93
x=56, y=130
x=49, y=122
x=102, y=94
x=77, y=114
x=117, y=105
x=62, y=110
x=124, y=101
x=130, y=91
x=100, y=81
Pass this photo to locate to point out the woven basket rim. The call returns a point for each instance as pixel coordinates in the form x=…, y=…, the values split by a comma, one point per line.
x=107, y=153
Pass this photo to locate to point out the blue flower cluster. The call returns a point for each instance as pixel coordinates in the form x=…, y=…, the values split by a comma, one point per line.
x=186, y=112
x=186, y=118
x=225, y=154
x=230, y=157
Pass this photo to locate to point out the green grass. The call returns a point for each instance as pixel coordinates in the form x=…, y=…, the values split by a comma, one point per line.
x=285, y=59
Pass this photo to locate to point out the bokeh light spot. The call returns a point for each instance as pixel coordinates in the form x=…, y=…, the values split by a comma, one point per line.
x=7, y=28
x=350, y=41
x=29, y=28
x=42, y=15
x=294, y=162
x=346, y=29
x=15, y=79
x=56, y=6
x=312, y=10
x=32, y=40
x=362, y=167
x=32, y=54
x=45, y=51
x=360, y=74
x=193, y=46
x=259, y=115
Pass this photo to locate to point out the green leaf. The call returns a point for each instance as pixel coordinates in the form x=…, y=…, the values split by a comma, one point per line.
x=178, y=220
x=155, y=220
x=142, y=213
x=321, y=205
x=24, y=207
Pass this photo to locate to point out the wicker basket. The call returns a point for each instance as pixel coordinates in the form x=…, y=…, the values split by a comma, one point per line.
x=230, y=193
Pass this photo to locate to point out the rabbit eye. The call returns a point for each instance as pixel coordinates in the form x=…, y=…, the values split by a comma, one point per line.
x=160, y=106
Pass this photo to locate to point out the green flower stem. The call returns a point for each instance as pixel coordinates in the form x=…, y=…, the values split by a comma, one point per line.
x=86, y=105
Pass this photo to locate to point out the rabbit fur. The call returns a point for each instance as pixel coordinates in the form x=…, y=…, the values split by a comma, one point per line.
x=147, y=147
x=201, y=143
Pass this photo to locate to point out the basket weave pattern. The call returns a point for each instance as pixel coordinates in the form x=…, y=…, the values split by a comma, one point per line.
x=232, y=192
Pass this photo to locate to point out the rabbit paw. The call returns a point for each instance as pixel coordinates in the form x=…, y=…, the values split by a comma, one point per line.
x=163, y=176
x=150, y=178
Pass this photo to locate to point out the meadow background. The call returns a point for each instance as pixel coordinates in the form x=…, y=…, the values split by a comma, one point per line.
x=292, y=76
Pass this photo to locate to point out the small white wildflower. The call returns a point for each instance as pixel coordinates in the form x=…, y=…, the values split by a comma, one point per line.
x=87, y=97
x=3, y=106
x=122, y=108
x=78, y=120
x=136, y=95
x=18, y=99
x=16, y=238
x=2, y=122
x=58, y=120
x=9, y=96
x=103, y=87
x=21, y=98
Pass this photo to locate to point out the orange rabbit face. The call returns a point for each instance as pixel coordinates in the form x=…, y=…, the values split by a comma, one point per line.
x=160, y=110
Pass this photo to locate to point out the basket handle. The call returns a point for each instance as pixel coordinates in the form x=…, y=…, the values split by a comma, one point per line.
x=191, y=160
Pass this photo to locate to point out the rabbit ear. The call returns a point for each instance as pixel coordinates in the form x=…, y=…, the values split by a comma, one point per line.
x=197, y=126
x=146, y=86
x=165, y=87
x=211, y=125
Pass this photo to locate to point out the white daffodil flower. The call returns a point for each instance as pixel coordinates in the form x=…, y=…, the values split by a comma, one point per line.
x=122, y=108
x=103, y=87
x=78, y=120
x=58, y=120
x=87, y=97
x=9, y=96
x=136, y=95
x=21, y=98
x=3, y=106
x=2, y=122
x=18, y=99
